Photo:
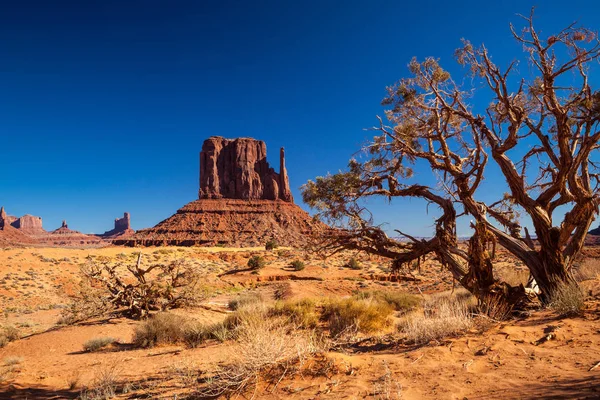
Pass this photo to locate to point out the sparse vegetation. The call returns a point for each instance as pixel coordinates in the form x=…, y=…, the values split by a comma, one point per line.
x=301, y=313
x=439, y=319
x=256, y=262
x=196, y=334
x=267, y=349
x=297, y=265
x=568, y=300
x=161, y=328
x=244, y=299
x=98, y=343
x=157, y=287
x=271, y=245
x=354, y=315
x=399, y=301
x=353, y=264
x=8, y=334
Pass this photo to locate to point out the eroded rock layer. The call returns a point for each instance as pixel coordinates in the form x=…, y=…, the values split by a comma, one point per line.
x=230, y=222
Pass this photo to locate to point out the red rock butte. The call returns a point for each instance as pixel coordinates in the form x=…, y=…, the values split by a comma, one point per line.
x=242, y=202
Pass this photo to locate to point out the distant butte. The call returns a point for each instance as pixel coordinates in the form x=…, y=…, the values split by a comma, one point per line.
x=242, y=202
x=122, y=228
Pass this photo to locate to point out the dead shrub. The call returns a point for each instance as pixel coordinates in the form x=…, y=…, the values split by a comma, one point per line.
x=267, y=349
x=159, y=287
x=301, y=313
x=365, y=316
x=104, y=386
x=438, y=319
x=162, y=328
x=568, y=300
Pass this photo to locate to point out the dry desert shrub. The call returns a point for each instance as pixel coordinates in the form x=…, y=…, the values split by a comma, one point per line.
x=568, y=300
x=302, y=313
x=588, y=269
x=387, y=386
x=162, y=328
x=8, y=334
x=245, y=313
x=104, y=386
x=267, y=349
x=196, y=334
x=439, y=319
x=98, y=343
x=243, y=300
x=359, y=315
x=399, y=301
x=494, y=307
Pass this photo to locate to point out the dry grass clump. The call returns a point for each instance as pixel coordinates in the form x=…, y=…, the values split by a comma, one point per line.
x=359, y=315
x=440, y=318
x=162, y=328
x=243, y=300
x=104, y=386
x=399, y=301
x=587, y=269
x=494, y=308
x=196, y=334
x=98, y=343
x=267, y=349
x=568, y=299
x=302, y=313
x=8, y=334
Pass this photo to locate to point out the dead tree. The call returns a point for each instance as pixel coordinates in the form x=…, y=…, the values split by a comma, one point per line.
x=554, y=114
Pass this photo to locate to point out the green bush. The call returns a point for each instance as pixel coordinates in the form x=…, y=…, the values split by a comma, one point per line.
x=353, y=264
x=297, y=265
x=256, y=262
x=271, y=245
x=162, y=328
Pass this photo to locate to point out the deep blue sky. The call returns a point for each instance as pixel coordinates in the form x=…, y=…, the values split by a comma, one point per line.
x=104, y=105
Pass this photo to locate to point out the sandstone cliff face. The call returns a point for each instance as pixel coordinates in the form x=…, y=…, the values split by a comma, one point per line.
x=238, y=169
